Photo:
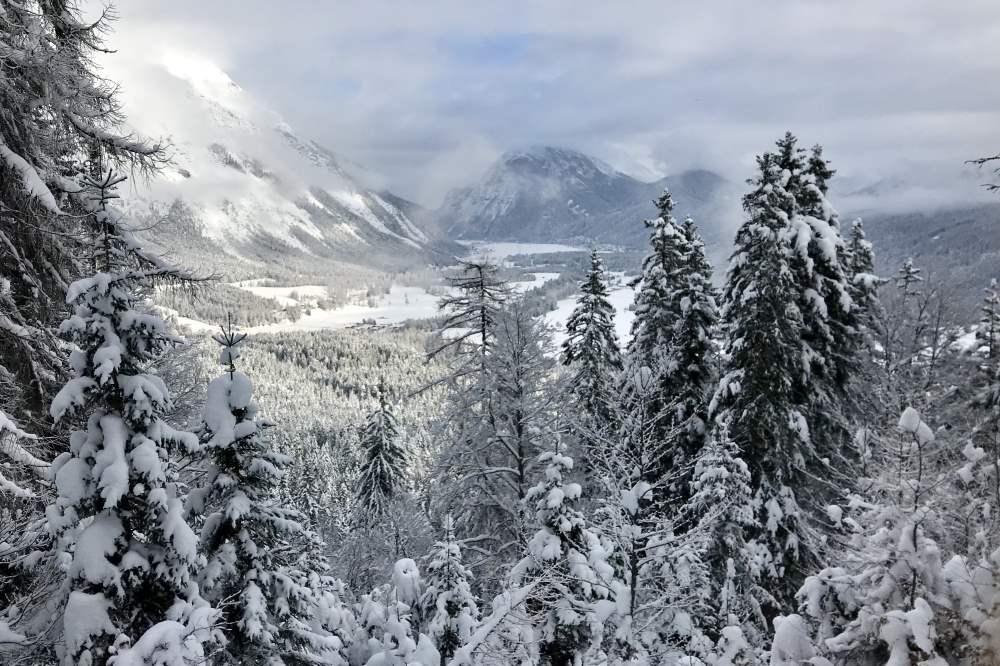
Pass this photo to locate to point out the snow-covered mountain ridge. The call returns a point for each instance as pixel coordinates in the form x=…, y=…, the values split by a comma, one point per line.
x=243, y=181
x=550, y=194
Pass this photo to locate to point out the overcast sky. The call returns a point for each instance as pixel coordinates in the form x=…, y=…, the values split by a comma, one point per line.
x=429, y=93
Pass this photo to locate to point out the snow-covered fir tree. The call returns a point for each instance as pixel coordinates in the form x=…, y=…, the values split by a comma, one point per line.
x=567, y=564
x=691, y=361
x=383, y=472
x=389, y=620
x=761, y=391
x=657, y=308
x=888, y=601
x=655, y=305
x=981, y=474
x=721, y=510
x=591, y=349
x=864, y=283
x=451, y=606
x=60, y=118
x=117, y=519
x=265, y=568
x=830, y=333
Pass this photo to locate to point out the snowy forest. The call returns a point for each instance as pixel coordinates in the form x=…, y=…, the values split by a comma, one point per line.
x=790, y=460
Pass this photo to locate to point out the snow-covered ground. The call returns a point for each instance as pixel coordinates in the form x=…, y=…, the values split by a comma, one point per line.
x=620, y=298
x=538, y=280
x=186, y=323
x=399, y=305
x=406, y=303
x=286, y=295
x=502, y=250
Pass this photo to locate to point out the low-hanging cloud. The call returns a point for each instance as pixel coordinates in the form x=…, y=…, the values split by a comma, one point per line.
x=426, y=94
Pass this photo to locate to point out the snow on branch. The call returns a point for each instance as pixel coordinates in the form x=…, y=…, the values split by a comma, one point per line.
x=32, y=182
x=11, y=450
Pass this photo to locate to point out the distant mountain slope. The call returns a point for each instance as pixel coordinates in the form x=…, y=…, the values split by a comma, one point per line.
x=555, y=194
x=247, y=186
x=958, y=245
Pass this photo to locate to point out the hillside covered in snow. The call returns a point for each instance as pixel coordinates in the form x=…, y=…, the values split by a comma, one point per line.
x=242, y=183
x=551, y=194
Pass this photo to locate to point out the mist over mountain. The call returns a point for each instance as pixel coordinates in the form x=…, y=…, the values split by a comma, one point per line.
x=245, y=185
x=550, y=194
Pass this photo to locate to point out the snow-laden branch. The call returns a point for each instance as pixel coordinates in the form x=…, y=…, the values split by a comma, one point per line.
x=32, y=182
x=503, y=605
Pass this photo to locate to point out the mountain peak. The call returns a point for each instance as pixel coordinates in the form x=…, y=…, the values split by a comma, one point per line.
x=550, y=194
x=552, y=158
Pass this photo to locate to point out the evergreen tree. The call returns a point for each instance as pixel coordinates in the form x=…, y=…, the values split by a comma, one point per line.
x=389, y=618
x=888, y=601
x=454, y=613
x=117, y=518
x=986, y=402
x=721, y=508
x=760, y=394
x=656, y=305
x=265, y=569
x=567, y=562
x=657, y=309
x=591, y=346
x=60, y=120
x=383, y=473
x=830, y=331
x=691, y=364
x=860, y=269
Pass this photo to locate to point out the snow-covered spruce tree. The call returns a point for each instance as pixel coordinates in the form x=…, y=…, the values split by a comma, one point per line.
x=691, y=361
x=761, y=391
x=389, y=620
x=657, y=306
x=383, y=508
x=383, y=472
x=59, y=117
x=591, y=349
x=265, y=569
x=569, y=567
x=675, y=313
x=864, y=284
x=983, y=452
x=117, y=519
x=888, y=601
x=831, y=336
x=721, y=509
x=452, y=608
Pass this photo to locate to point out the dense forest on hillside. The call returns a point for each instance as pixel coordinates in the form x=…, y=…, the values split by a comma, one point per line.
x=799, y=467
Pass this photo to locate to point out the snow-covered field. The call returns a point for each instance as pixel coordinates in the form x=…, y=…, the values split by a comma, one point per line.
x=286, y=295
x=406, y=303
x=537, y=281
x=500, y=251
x=399, y=305
x=620, y=298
